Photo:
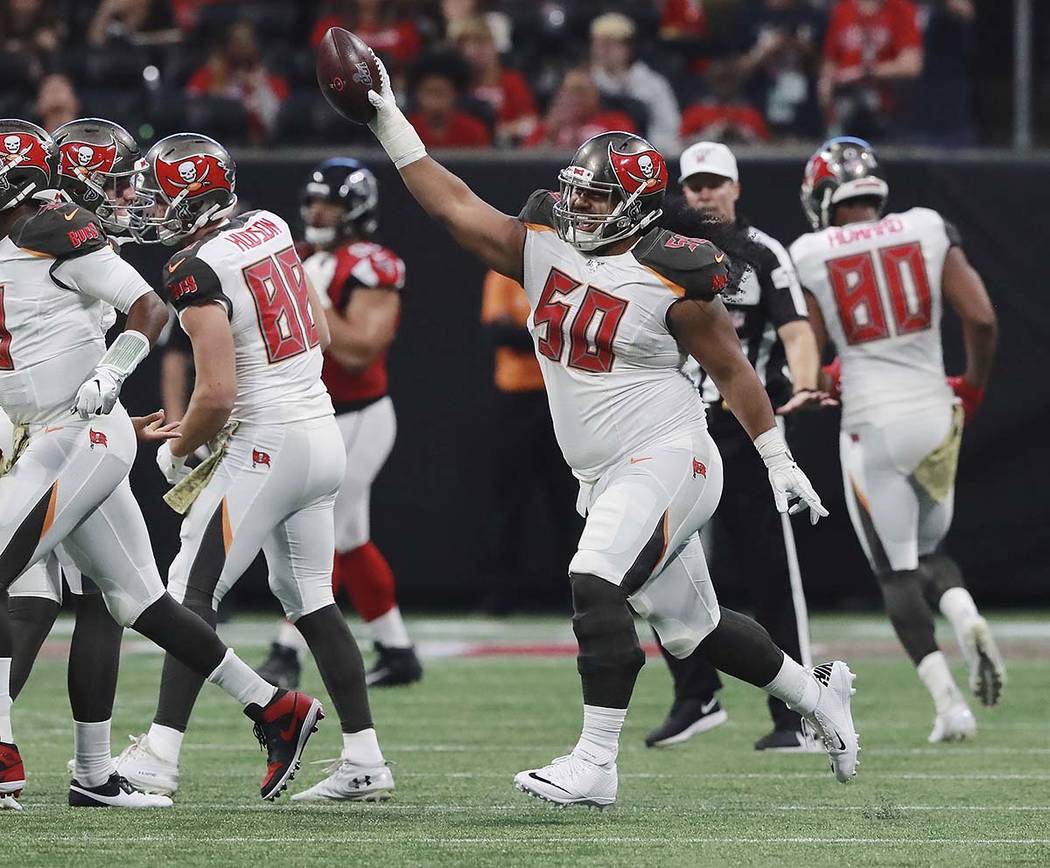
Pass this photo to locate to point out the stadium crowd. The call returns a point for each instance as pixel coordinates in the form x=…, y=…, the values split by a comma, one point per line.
x=504, y=73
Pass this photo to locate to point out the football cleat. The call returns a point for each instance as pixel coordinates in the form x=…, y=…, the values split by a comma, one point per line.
x=283, y=727
x=145, y=770
x=282, y=668
x=832, y=719
x=114, y=793
x=956, y=724
x=9, y=803
x=987, y=669
x=349, y=782
x=571, y=781
x=790, y=741
x=394, y=667
x=687, y=717
x=12, y=771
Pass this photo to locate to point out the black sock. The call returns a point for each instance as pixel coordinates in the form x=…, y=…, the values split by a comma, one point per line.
x=31, y=619
x=938, y=574
x=609, y=656
x=339, y=661
x=187, y=633
x=94, y=660
x=741, y=647
x=909, y=613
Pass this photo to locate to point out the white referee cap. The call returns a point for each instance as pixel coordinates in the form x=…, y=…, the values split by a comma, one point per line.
x=712, y=158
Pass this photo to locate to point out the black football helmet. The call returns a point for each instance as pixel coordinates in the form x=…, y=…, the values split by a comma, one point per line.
x=97, y=162
x=350, y=184
x=625, y=168
x=28, y=162
x=843, y=168
x=192, y=178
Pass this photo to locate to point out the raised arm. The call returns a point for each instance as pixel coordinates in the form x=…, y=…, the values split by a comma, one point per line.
x=494, y=237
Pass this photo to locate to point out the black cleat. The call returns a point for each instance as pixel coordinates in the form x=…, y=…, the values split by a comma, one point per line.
x=789, y=741
x=394, y=666
x=688, y=717
x=282, y=667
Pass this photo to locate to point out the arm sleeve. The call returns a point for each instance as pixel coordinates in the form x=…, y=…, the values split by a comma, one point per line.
x=105, y=276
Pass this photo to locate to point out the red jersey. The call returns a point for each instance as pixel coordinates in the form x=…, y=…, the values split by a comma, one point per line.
x=336, y=275
x=858, y=39
x=463, y=131
x=511, y=98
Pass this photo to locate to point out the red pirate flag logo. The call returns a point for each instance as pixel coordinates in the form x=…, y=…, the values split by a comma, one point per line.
x=22, y=150
x=193, y=176
x=645, y=172
x=97, y=438
x=81, y=160
x=260, y=458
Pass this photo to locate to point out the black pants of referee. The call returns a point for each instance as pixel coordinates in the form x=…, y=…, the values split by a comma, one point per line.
x=751, y=525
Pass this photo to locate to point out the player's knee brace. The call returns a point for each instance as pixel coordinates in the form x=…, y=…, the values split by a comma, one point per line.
x=609, y=655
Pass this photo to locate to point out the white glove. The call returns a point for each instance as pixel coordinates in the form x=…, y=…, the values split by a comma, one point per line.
x=98, y=395
x=174, y=469
x=786, y=478
x=397, y=136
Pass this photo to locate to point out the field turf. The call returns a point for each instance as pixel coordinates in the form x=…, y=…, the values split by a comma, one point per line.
x=490, y=705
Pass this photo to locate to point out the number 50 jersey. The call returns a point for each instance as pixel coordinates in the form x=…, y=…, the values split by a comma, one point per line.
x=878, y=285
x=251, y=269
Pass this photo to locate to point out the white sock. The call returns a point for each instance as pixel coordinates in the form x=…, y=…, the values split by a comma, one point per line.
x=362, y=748
x=958, y=607
x=165, y=742
x=600, y=740
x=6, y=735
x=92, y=756
x=242, y=682
x=795, y=686
x=934, y=672
x=389, y=630
x=289, y=637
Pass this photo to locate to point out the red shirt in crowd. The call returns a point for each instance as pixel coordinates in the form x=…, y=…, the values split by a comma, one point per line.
x=511, y=98
x=463, y=131
x=714, y=122
x=683, y=18
x=858, y=39
x=398, y=39
x=571, y=137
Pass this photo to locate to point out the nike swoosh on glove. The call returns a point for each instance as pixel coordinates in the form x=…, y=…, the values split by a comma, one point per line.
x=98, y=395
x=173, y=468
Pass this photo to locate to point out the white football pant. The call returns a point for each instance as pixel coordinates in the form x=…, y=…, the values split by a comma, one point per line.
x=368, y=436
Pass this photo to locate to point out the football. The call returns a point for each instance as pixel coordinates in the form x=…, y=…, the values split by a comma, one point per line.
x=346, y=72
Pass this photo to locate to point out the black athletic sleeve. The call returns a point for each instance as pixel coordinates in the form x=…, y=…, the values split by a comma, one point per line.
x=189, y=281
x=61, y=229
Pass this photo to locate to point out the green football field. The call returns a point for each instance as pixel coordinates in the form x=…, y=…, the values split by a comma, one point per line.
x=500, y=696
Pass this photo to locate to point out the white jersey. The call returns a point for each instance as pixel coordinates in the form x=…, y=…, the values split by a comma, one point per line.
x=250, y=267
x=879, y=288
x=59, y=283
x=612, y=370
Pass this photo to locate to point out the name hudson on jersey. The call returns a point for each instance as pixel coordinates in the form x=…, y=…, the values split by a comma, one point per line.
x=256, y=233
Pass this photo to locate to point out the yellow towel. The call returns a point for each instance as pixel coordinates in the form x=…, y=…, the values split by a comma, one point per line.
x=20, y=441
x=184, y=492
x=936, y=473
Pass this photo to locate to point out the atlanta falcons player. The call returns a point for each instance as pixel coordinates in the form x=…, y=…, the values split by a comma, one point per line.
x=616, y=304
x=359, y=283
x=69, y=484
x=877, y=288
x=258, y=330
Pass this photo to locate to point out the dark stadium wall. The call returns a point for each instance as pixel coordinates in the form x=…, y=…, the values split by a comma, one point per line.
x=429, y=509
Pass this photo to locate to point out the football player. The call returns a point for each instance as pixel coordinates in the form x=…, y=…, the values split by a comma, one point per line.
x=877, y=285
x=258, y=330
x=68, y=484
x=359, y=282
x=616, y=303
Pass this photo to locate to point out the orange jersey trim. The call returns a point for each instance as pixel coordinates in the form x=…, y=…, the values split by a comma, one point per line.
x=49, y=517
x=227, y=531
x=670, y=284
x=539, y=227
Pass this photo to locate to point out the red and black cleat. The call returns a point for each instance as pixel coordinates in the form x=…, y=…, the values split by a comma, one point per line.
x=12, y=772
x=283, y=727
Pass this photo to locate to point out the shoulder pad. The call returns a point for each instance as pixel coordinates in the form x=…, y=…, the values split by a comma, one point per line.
x=694, y=265
x=188, y=280
x=539, y=208
x=62, y=230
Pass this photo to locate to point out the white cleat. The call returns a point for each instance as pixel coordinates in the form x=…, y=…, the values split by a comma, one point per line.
x=146, y=771
x=571, y=781
x=114, y=793
x=349, y=782
x=9, y=803
x=832, y=719
x=956, y=724
x=987, y=669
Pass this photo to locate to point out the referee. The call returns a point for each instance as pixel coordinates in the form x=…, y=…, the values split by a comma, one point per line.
x=769, y=313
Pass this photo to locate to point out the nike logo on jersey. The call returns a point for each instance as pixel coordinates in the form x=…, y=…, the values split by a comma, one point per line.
x=173, y=266
x=637, y=460
x=720, y=257
x=49, y=428
x=71, y=214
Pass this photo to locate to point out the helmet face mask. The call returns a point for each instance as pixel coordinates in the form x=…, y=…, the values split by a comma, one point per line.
x=843, y=168
x=349, y=186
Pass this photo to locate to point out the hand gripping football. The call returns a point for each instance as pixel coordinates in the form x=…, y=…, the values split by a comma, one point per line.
x=346, y=72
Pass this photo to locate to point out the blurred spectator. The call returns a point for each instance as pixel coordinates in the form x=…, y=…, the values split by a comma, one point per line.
x=455, y=11
x=187, y=12
x=871, y=45
x=576, y=114
x=504, y=89
x=781, y=63
x=378, y=23
x=116, y=19
x=30, y=28
x=236, y=71
x=943, y=110
x=436, y=83
x=682, y=19
x=619, y=74
x=56, y=102
x=723, y=115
